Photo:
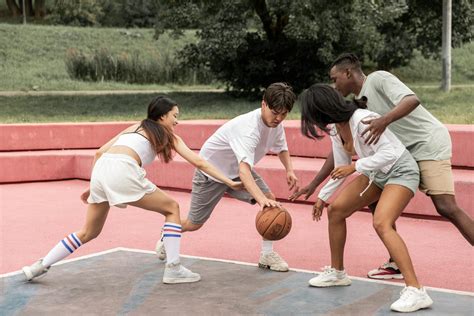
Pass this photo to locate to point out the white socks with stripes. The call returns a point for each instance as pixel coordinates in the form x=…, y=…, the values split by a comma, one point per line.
x=63, y=249
x=172, y=241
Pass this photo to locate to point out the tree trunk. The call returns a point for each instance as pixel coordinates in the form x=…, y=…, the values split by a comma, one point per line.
x=40, y=10
x=13, y=8
x=29, y=8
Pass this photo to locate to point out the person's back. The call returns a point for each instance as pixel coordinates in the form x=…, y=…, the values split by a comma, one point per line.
x=424, y=136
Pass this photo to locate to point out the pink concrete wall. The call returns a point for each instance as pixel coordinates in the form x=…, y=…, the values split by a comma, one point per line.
x=17, y=137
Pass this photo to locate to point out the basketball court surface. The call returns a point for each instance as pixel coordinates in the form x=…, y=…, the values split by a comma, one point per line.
x=101, y=278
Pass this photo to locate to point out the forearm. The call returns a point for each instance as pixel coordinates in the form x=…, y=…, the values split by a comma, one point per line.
x=286, y=160
x=325, y=171
x=213, y=172
x=248, y=181
x=405, y=107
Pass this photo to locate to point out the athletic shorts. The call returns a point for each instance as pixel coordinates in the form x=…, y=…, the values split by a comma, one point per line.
x=118, y=179
x=436, y=177
x=206, y=193
x=404, y=172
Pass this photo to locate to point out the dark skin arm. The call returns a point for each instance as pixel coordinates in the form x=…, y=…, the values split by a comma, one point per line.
x=309, y=189
x=376, y=126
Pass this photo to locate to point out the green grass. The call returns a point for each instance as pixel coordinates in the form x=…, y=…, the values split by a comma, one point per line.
x=453, y=108
x=33, y=56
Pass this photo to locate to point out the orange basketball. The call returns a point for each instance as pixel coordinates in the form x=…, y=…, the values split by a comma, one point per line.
x=273, y=223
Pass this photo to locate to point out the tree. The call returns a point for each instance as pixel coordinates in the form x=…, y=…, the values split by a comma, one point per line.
x=250, y=43
x=38, y=9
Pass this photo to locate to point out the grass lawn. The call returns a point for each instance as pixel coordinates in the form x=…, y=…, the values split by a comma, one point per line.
x=450, y=108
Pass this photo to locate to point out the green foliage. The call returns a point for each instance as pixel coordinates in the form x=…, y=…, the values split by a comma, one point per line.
x=101, y=65
x=295, y=41
x=451, y=108
x=76, y=12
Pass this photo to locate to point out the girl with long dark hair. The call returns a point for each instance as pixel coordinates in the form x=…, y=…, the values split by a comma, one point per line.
x=118, y=179
x=388, y=174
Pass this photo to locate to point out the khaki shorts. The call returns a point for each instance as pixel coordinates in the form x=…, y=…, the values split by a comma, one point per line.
x=436, y=177
x=206, y=193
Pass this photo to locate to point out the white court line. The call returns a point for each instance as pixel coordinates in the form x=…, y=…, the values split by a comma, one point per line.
x=240, y=263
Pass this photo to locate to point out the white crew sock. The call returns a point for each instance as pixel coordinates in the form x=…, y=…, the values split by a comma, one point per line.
x=172, y=240
x=63, y=249
x=267, y=246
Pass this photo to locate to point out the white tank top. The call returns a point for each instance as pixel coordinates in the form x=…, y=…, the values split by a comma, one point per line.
x=138, y=143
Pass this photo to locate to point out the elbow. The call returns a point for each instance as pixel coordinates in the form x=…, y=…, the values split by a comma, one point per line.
x=200, y=163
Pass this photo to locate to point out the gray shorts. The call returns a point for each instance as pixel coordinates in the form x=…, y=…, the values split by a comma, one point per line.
x=404, y=172
x=206, y=193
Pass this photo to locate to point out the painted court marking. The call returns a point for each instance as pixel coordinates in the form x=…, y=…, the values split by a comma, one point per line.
x=101, y=253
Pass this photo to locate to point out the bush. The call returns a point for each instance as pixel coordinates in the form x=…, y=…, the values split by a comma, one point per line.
x=76, y=13
x=133, y=67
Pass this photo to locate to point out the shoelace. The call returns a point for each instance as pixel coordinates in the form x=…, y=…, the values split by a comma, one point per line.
x=327, y=269
x=405, y=294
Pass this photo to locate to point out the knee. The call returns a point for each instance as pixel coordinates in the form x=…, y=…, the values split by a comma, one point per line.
x=447, y=210
x=170, y=207
x=335, y=213
x=190, y=227
x=382, y=226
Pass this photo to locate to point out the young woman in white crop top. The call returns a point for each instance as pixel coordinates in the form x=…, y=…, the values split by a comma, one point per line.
x=118, y=178
x=388, y=174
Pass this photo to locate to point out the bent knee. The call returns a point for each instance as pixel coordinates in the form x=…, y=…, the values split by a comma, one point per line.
x=170, y=207
x=382, y=226
x=335, y=213
x=190, y=227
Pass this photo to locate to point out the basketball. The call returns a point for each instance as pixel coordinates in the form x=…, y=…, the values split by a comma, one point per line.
x=273, y=223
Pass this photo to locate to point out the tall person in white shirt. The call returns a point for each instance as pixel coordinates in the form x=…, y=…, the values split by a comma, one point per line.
x=235, y=148
x=388, y=174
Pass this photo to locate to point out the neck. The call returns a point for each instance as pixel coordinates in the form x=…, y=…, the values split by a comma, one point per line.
x=359, y=82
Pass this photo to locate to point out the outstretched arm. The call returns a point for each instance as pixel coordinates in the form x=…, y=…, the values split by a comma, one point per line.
x=376, y=126
x=183, y=150
x=322, y=175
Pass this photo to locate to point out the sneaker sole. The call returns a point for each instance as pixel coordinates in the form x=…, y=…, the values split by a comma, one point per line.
x=265, y=266
x=331, y=284
x=386, y=277
x=180, y=280
x=422, y=305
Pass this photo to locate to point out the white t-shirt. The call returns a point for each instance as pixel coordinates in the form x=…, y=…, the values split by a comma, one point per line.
x=245, y=138
x=422, y=134
x=375, y=157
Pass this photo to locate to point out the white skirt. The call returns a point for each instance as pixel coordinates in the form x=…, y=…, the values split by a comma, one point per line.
x=118, y=179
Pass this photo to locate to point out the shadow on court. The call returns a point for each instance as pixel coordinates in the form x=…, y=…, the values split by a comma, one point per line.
x=129, y=282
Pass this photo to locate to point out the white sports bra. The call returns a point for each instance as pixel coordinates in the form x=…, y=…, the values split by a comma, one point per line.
x=138, y=143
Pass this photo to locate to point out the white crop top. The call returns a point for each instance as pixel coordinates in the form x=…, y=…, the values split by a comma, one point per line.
x=138, y=143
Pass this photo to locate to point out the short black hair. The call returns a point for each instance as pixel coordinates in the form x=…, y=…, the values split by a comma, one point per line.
x=348, y=60
x=279, y=96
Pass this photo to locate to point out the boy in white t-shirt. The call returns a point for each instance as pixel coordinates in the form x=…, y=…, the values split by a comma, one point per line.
x=235, y=148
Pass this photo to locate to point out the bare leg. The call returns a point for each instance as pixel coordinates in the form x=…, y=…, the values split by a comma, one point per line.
x=346, y=203
x=95, y=220
x=446, y=206
x=160, y=202
x=392, y=202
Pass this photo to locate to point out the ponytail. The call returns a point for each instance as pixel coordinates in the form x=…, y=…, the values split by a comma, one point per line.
x=161, y=138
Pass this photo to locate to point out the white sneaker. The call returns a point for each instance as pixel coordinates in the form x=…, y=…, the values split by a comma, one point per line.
x=160, y=250
x=272, y=261
x=176, y=273
x=35, y=270
x=388, y=270
x=412, y=299
x=330, y=277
